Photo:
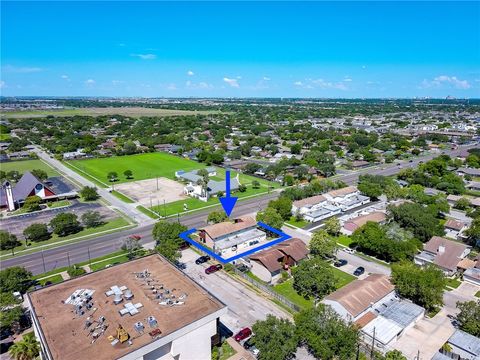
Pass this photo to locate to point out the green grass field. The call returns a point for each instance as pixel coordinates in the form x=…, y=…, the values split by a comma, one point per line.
x=4, y=137
x=27, y=165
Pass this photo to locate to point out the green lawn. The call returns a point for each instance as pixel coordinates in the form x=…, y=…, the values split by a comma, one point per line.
x=342, y=277
x=147, y=212
x=344, y=240
x=27, y=165
x=223, y=352
x=296, y=223
x=452, y=283
x=55, y=279
x=109, y=226
x=477, y=294
x=4, y=137
x=102, y=264
x=122, y=197
x=57, y=204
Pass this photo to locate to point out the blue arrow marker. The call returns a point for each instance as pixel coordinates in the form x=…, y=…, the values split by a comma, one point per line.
x=228, y=202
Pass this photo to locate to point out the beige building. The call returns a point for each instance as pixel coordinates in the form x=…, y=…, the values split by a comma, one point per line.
x=143, y=309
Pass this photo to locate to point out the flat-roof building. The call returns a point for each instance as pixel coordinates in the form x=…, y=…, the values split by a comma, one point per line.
x=142, y=309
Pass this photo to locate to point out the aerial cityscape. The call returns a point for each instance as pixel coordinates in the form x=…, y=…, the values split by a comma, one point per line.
x=240, y=180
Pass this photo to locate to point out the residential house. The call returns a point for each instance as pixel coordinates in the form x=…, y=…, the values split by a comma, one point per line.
x=462, y=346
x=213, y=187
x=268, y=264
x=78, y=154
x=472, y=274
x=473, y=185
x=454, y=228
x=353, y=224
x=468, y=171
x=347, y=198
x=230, y=237
x=444, y=253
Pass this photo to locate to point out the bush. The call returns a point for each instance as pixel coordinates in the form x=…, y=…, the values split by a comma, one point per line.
x=75, y=270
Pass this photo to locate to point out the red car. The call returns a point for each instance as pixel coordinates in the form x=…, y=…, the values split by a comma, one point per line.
x=243, y=334
x=213, y=268
x=135, y=237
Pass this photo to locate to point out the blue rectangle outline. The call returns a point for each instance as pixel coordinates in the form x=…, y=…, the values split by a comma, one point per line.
x=283, y=236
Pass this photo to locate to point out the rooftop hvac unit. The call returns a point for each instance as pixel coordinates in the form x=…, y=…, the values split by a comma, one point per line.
x=101, y=319
x=118, y=299
x=139, y=327
x=152, y=322
x=128, y=294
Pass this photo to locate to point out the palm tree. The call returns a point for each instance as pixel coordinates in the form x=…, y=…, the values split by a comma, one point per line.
x=26, y=349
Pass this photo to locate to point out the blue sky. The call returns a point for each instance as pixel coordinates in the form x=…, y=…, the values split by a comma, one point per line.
x=241, y=49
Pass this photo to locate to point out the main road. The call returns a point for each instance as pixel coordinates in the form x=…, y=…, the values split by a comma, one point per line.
x=42, y=261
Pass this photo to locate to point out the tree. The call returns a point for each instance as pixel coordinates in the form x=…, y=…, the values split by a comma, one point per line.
x=371, y=190
x=473, y=232
x=271, y=217
x=89, y=193
x=65, y=224
x=129, y=147
x=10, y=316
x=323, y=245
x=36, y=232
x=26, y=349
x=255, y=184
x=75, y=270
x=8, y=241
x=275, y=338
x=40, y=174
x=326, y=334
x=131, y=245
x=216, y=217
x=394, y=355
x=92, y=219
x=32, y=203
x=167, y=238
x=242, y=188
x=251, y=168
x=424, y=286
x=15, y=279
x=128, y=174
x=283, y=205
x=13, y=175
x=469, y=317
x=332, y=226
x=462, y=204
x=112, y=176
x=313, y=278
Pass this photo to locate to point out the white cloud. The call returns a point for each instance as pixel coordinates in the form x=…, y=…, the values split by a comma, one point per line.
x=65, y=77
x=347, y=79
x=190, y=73
x=266, y=78
x=171, y=87
x=364, y=66
x=232, y=82
x=201, y=85
x=2, y=84
x=117, y=82
x=145, y=56
x=298, y=83
x=445, y=80
x=89, y=82
x=320, y=84
x=21, y=69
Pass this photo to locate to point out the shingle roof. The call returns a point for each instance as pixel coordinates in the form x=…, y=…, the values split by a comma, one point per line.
x=357, y=296
x=295, y=248
x=313, y=200
x=227, y=227
x=359, y=221
x=454, y=224
x=451, y=255
x=343, y=191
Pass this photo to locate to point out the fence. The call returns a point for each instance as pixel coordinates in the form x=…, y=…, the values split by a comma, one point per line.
x=268, y=289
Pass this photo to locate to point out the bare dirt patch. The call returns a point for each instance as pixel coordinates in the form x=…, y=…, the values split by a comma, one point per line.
x=148, y=194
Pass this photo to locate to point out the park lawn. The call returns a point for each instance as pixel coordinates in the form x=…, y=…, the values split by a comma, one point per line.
x=286, y=289
x=296, y=223
x=27, y=165
x=109, y=226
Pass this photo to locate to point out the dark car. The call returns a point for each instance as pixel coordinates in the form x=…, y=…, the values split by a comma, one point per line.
x=359, y=271
x=202, y=259
x=243, y=268
x=247, y=344
x=340, y=262
x=180, y=265
x=213, y=268
x=243, y=334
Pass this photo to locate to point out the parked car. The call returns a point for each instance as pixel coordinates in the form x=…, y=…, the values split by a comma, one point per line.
x=243, y=334
x=349, y=251
x=180, y=265
x=359, y=271
x=213, y=268
x=243, y=268
x=340, y=262
x=135, y=237
x=248, y=345
x=202, y=259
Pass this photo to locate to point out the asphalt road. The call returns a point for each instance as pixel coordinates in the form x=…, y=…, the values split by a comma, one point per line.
x=40, y=262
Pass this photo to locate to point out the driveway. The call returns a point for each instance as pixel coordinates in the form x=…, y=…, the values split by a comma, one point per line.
x=245, y=307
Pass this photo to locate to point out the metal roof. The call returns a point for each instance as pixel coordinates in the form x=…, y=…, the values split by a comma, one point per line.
x=466, y=342
x=385, y=329
x=401, y=311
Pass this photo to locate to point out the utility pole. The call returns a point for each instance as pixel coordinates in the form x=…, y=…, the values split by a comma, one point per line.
x=89, y=259
x=43, y=261
x=68, y=258
x=164, y=208
x=373, y=344
x=157, y=183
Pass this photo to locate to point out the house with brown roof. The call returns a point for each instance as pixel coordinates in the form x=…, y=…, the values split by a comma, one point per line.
x=355, y=299
x=230, y=237
x=268, y=264
x=454, y=228
x=353, y=224
x=444, y=253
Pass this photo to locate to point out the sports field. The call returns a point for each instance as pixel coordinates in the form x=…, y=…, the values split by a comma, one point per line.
x=147, y=166
x=27, y=165
x=92, y=111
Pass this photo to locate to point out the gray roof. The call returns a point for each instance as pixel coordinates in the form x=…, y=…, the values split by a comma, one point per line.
x=440, y=356
x=22, y=189
x=466, y=342
x=469, y=171
x=401, y=311
x=217, y=186
x=193, y=175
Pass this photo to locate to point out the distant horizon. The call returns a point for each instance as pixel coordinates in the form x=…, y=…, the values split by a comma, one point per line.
x=228, y=98
x=241, y=49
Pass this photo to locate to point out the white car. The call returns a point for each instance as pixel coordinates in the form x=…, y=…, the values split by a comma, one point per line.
x=349, y=251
